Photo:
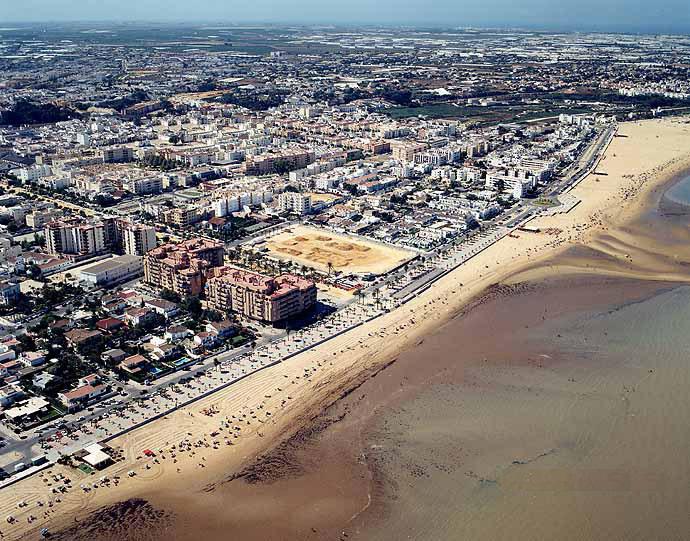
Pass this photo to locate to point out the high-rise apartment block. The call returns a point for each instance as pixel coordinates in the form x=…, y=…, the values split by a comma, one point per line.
x=257, y=296
x=182, y=267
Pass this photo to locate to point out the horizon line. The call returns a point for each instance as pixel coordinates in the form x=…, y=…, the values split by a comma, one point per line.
x=589, y=28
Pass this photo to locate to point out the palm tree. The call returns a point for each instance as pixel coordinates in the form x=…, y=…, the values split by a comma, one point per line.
x=330, y=268
x=376, y=298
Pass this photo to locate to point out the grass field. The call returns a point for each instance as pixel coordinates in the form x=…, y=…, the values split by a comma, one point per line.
x=317, y=248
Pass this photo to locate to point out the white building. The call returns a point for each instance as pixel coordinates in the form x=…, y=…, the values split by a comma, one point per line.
x=74, y=238
x=144, y=186
x=138, y=239
x=33, y=173
x=297, y=203
x=113, y=271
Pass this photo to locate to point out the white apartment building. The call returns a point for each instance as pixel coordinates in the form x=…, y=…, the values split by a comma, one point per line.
x=72, y=238
x=33, y=173
x=118, y=154
x=138, y=239
x=234, y=202
x=144, y=186
x=437, y=156
x=516, y=183
x=39, y=218
x=294, y=202
x=56, y=182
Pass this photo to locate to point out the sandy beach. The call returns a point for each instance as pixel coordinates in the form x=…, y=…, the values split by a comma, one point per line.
x=201, y=447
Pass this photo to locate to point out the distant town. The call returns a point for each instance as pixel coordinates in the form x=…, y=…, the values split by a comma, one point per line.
x=181, y=201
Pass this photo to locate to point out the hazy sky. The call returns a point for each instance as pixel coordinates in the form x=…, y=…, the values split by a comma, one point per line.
x=637, y=15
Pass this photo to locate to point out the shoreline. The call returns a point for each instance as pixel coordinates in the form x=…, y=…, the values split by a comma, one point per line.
x=318, y=376
x=514, y=410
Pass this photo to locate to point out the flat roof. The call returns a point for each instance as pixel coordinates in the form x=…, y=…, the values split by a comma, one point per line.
x=111, y=264
x=33, y=405
x=95, y=455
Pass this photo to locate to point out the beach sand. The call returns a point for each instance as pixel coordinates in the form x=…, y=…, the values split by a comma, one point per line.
x=600, y=234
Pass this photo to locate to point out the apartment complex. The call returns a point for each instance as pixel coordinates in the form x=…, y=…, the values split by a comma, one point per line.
x=144, y=186
x=182, y=216
x=277, y=162
x=63, y=237
x=137, y=239
x=257, y=296
x=297, y=203
x=182, y=267
x=117, y=154
x=404, y=151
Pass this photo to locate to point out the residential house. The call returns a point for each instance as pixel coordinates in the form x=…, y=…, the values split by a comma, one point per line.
x=82, y=337
x=109, y=324
x=60, y=325
x=177, y=333
x=113, y=356
x=89, y=390
x=165, y=308
x=205, y=340
x=114, y=304
x=165, y=352
x=222, y=329
x=9, y=394
x=34, y=358
x=45, y=381
x=133, y=364
x=136, y=317
x=9, y=368
x=7, y=353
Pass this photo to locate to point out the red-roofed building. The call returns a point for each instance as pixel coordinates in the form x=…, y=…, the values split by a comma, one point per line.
x=81, y=337
x=133, y=364
x=109, y=324
x=182, y=267
x=89, y=390
x=139, y=316
x=259, y=297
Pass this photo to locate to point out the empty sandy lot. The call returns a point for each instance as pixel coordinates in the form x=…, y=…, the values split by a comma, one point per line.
x=317, y=248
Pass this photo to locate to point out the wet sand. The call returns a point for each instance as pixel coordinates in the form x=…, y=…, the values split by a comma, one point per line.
x=569, y=428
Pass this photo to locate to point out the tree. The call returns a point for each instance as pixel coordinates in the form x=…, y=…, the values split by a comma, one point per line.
x=34, y=271
x=169, y=295
x=377, y=293
x=192, y=305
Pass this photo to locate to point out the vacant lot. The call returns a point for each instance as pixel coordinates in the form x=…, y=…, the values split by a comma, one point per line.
x=317, y=248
